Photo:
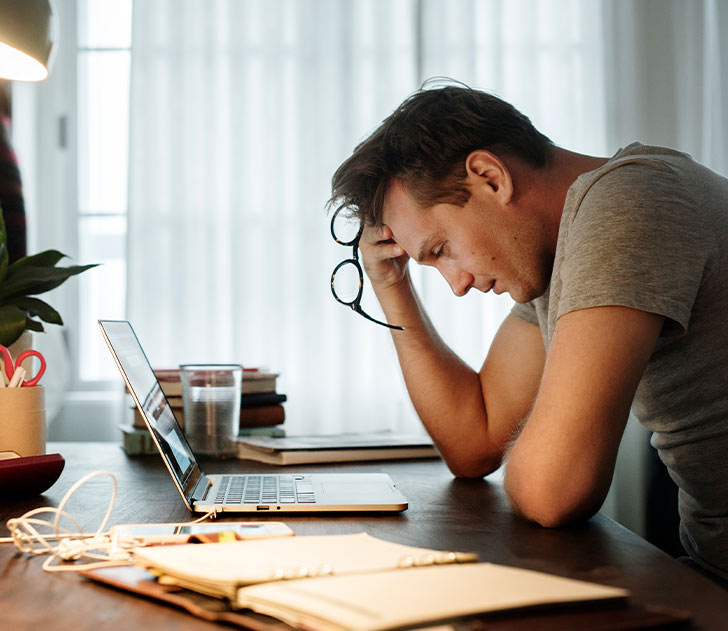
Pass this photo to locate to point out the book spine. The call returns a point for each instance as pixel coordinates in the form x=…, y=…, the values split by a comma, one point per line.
x=273, y=432
x=137, y=442
x=265, y=415
x=262, y=385
x=257, y=399
x=254, y=400
x=261, y=416
x=173, y=388
x=247, y=452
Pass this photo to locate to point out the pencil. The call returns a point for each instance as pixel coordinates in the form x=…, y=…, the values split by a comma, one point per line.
x=18, y=377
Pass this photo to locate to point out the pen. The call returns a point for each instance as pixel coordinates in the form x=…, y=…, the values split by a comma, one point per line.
x=18, y=377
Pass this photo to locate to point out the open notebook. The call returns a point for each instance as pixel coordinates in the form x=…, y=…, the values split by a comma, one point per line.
x=222, y=569
x=359, y=582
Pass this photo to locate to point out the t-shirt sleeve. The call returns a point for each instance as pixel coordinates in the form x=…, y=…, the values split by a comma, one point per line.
x=635, y=241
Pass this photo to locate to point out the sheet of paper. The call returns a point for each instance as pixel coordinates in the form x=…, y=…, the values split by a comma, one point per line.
x=391, y=599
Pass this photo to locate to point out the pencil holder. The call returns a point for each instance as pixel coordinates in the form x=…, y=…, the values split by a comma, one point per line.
x=22, y=420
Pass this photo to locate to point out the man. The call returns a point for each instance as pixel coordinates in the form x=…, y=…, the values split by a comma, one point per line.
x=619, y=268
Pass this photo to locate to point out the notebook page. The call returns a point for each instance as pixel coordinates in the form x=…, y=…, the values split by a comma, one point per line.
x=223, y=567
x=386, y=600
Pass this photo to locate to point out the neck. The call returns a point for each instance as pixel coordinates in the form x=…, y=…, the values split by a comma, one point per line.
x=565, y=166
x=543, y=191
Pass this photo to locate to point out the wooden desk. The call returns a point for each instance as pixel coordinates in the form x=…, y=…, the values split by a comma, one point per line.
x=444, y=513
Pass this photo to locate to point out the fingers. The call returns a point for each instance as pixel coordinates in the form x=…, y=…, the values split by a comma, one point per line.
x=384, y=260
x=384, y=233
x=380, y=240
x=392, y=250
x=380, y=235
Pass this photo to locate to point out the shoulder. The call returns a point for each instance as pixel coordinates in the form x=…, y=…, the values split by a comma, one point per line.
x=644, y=189
x=635, y=173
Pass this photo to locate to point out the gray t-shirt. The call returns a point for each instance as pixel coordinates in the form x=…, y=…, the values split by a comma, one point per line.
x=649, y=230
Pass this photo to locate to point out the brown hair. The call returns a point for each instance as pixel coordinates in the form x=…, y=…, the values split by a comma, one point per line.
x=424, y=143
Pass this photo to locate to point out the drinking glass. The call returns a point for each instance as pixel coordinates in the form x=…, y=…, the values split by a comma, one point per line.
x=211, y=399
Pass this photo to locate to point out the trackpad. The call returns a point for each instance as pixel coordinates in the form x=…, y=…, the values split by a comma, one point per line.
x=370, y=491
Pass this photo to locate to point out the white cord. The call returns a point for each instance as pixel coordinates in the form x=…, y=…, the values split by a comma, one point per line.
x=102, y=548
x=69, y=546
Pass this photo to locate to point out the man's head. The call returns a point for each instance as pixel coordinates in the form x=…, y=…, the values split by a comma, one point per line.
x=424, y=144
x=458, y=177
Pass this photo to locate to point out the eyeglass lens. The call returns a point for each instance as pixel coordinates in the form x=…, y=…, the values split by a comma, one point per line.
x=347, y=279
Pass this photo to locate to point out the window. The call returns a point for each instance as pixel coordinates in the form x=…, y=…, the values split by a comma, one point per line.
x=309, y=84
x=103, y=62
x=71, y=136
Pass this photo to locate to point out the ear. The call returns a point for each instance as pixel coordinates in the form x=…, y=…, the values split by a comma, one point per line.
x=485, y=169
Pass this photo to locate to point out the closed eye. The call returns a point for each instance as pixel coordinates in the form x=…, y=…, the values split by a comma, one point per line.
x=427, y=253
x=438, y=251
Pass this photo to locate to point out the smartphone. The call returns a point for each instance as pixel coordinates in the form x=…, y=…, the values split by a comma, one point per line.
x=156, y=534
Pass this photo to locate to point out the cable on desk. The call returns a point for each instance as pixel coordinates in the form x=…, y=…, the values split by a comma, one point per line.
x=62, y=544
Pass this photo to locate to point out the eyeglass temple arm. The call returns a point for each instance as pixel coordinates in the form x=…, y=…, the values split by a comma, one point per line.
x=368, y=317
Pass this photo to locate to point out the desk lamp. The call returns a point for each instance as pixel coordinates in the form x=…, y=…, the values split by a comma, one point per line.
x=25, y=39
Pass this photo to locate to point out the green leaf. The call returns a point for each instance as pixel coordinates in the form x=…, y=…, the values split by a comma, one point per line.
x=12, y=324
x=28, y=281
x=36, y=307
x=3, y=261
x=34, y=325
x=3, y=248
x=47, y=258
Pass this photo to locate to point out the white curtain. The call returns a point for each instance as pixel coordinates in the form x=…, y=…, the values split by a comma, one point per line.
x=665, y=79
x=240, y=113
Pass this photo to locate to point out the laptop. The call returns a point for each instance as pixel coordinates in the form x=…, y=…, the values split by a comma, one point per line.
x=244, y=492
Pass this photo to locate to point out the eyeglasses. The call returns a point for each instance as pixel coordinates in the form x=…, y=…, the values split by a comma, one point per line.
x=344, y=287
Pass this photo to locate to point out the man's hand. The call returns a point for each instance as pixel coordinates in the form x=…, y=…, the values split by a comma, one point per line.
x=385, y=262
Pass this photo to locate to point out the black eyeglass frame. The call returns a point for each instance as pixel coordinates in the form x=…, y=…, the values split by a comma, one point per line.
x=354, y=304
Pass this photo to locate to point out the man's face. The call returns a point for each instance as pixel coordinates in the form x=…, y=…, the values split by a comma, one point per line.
x=484, y=244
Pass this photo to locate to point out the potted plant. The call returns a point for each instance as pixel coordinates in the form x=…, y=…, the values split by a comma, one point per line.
x=20, y=311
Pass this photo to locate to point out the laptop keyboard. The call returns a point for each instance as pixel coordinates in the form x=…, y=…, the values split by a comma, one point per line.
x=265, y=489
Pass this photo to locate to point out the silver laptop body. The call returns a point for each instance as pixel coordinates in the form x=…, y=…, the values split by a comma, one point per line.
x=258, y=493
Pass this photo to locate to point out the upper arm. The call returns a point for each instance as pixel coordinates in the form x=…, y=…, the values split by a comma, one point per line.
x=561, y=465
x=510, y=376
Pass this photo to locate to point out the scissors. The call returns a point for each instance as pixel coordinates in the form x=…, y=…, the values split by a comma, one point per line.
x=11, y=367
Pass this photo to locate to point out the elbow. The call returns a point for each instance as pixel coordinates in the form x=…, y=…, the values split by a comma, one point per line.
x=551, y=516
x=472, y=467
x=547, y=506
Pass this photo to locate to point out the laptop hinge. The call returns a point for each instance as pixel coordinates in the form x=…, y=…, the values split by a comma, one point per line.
x=202, y=488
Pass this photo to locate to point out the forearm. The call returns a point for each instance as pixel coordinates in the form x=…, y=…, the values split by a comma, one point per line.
x=560, y=468
x=446, y=393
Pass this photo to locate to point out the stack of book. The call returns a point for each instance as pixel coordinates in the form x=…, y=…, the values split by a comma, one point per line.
x=261, y=405
x=261, y=408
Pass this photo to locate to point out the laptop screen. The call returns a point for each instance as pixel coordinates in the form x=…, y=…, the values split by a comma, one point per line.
x=149, y=397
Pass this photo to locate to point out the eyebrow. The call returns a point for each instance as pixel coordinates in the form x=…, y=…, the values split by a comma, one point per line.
x=424, y=247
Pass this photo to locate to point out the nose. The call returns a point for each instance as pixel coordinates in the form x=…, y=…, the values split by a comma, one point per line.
x=459, y=280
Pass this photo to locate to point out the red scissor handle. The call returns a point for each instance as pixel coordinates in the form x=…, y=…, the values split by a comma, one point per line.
x=32, y=353
x=8, y=359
